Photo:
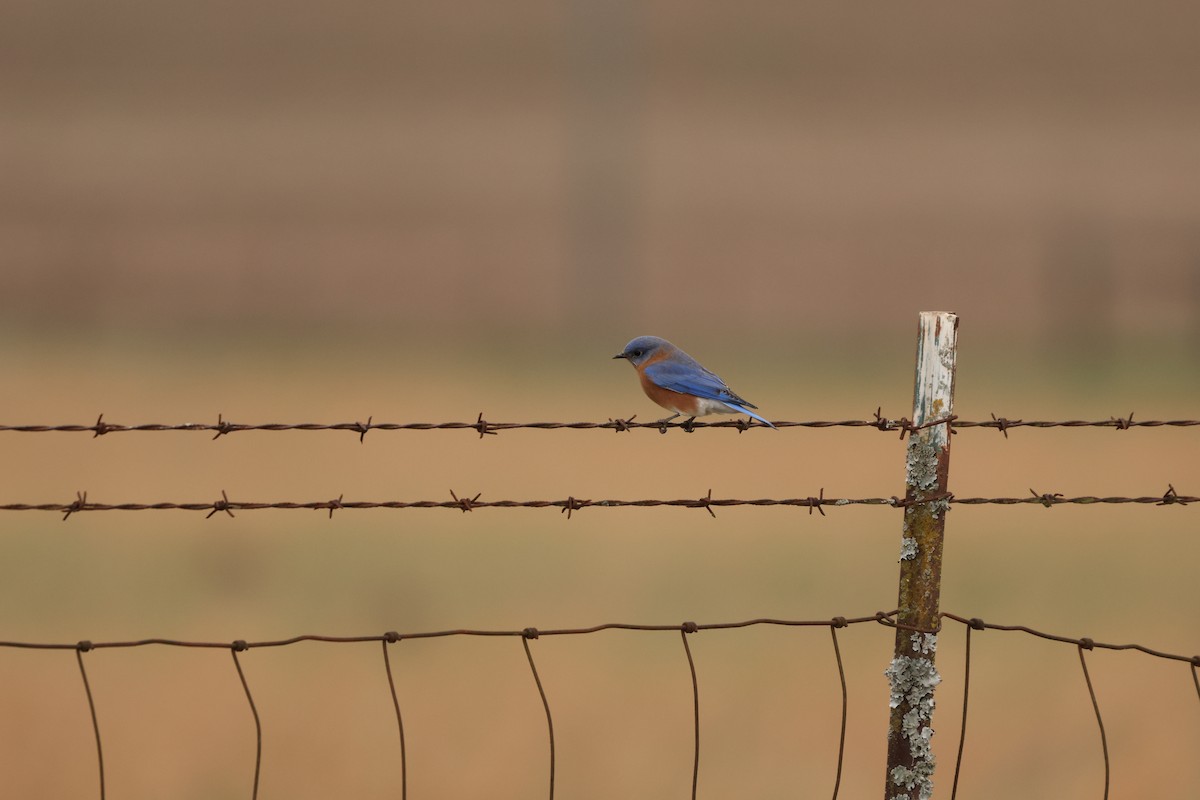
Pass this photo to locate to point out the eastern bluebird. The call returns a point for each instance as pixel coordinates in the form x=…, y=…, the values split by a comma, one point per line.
x=677, y=382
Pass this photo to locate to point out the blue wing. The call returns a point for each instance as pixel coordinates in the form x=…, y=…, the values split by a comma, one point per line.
x=695, y=380
x=692, y=379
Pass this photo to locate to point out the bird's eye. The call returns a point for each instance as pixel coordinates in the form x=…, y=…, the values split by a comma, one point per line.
x=637, y=353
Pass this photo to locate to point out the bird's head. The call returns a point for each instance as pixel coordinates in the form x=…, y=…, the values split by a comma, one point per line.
x=642, y=349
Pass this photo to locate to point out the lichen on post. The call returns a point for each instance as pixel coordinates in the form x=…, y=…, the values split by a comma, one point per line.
x=912, y=674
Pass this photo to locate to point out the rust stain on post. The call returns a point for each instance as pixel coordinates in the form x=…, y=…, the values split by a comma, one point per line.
x=912, y=674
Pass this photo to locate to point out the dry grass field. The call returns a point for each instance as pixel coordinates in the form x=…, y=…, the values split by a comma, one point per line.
x=419, y=212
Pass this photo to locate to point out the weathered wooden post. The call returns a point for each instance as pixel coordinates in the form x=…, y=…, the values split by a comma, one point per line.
x=912, y=674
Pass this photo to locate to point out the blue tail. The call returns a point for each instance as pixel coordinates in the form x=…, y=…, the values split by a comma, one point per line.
x=749, y=413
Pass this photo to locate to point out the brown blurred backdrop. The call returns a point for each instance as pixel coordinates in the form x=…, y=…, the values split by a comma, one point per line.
x=418, y=211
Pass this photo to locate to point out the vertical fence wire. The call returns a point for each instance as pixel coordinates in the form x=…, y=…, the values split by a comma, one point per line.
x=837, y=653
x=690, y=627
x=240, y=645
x=389, y=637
x=962, y=736
x=1099, y=721
x=531, y=633
x=80, y=649
x=1196, y=678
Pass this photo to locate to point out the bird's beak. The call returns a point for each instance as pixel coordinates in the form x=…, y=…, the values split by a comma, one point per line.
x=620, y=355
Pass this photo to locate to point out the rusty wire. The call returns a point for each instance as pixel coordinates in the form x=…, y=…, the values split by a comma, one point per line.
x=685, y=629
x=80, y=649
x=237, y=647
x=1085, y=644
x=840, y=622
x=962, y=735
x=532, y=633
x=388, y=638
x=572, y=504
x=1081, y=644
x=483, y=427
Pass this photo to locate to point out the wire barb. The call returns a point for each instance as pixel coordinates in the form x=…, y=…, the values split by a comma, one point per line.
x=334, y=505
x=572, y=505
x=221, y=505
x=222, y=427
x=79, y=505
x=1046, y=499
x=622, y=424
x=100, y=428
x=1171, y=497
x=465, y=503
x=482, y=426
x=1003, y=424
x=817, y=502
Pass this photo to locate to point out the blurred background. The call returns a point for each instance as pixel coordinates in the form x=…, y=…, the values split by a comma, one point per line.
x=416, y=212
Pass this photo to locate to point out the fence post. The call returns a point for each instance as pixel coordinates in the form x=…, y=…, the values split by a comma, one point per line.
x=912, y=674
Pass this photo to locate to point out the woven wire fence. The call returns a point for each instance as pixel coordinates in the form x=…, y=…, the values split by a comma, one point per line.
x=569, y=505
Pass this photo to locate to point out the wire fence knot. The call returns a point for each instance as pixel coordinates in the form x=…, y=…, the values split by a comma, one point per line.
x=1047, y=499
x=333, y=505
x=622, y=424
x=222, y=427
x=529, y=633
x=706, y=503
x=79, y=505
x=84, y=646
x=362, y=429
x=391, y=637
x=817, y=502
x=1123, y=423
x=464, y=502
x=1087, y=644
x=481, y=425
x=1171, y=497
x=239, y=646
x=839, y=622
x=689, y=627
x=572, y=505
x=881, y=422
x=101, y=427
x=221, y=505
x=976, y=623
x=1002, y=424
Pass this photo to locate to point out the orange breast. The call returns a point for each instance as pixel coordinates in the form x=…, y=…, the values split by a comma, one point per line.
x=672, y=401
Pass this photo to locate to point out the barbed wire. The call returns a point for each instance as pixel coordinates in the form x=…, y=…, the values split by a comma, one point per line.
x=526, y=635
x=483, y=427
x=572, y=504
